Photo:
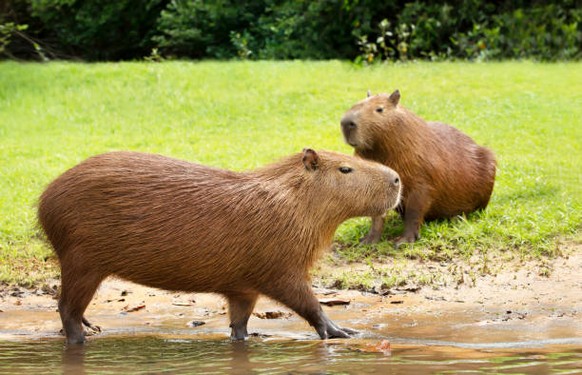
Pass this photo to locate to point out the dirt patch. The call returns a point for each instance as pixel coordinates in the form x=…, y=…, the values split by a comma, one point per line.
x=517, y=304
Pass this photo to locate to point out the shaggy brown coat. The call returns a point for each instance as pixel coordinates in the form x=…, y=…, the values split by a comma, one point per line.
x=180, y=226
x=444, y=172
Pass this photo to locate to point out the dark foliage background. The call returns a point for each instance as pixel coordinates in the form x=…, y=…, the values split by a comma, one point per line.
x=367, y=31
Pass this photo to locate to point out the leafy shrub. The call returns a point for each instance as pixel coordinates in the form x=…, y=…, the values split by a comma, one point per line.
x=6, y=31
x=265, y=29
x=546, y=32
x=19, y=32
x=478, y=30
x=197, y=28
x=305, y=30
x=366, y=30
x=100, y=30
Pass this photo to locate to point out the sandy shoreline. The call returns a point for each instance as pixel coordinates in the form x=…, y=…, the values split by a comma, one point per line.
x=512, y=308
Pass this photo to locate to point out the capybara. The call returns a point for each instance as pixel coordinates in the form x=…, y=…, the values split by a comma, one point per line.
x=444, y=172
x=181, y=226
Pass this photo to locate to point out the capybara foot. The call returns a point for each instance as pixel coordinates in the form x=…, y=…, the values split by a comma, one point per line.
x=349, y=331
x=375, y=232
x=93, y=329
x=238, y=333
x=339, y=333
x=238, y=338
x=332, y=330
x=370, y=238
x=406, y=238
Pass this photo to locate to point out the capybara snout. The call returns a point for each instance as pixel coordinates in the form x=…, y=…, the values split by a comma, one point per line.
x=181, y=226
x=348, y=128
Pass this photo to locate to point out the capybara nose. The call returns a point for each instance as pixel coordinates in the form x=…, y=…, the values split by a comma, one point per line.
x=348, y=124
x=396, y=181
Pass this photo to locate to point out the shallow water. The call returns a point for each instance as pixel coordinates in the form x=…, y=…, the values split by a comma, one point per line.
x=158, y=354
x=400, y=334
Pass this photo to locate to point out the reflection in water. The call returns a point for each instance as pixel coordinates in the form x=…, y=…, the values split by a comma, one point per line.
x=74, y=359
x=152, y=355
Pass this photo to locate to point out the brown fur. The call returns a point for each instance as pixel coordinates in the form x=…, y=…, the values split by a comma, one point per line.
x=176, y=225
x=444, y=172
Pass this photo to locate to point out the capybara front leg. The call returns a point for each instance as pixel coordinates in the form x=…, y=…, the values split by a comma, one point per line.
x=300, y=298
x=416, y=207
x=411, y=232
x=375, y=232
x=240, y=307
x=335, y=331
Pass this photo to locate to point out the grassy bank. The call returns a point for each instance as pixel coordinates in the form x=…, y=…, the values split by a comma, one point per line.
x=240, y=115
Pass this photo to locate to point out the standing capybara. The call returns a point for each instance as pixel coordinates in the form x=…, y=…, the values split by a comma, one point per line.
x=444, y=172
x=180, y=226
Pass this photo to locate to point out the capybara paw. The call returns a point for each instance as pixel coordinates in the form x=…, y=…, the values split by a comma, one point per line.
x=339, y=333
x=92, y=330
x=405, y=239
x=334, y=331
x=349, y=331
x=238, y=338
x=239, y=333
x=370, y=238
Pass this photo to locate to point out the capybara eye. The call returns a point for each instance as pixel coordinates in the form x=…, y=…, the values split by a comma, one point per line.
x=345, y=170
x=379, y=109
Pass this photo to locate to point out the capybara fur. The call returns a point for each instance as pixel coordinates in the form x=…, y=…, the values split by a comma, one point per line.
x=181, y=226
x=444, y=172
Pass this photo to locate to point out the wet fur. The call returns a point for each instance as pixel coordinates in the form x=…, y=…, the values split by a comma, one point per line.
x=176, y=225
x=444, y=172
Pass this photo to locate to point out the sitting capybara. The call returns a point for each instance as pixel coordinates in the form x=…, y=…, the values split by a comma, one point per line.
x=180, y=226
x=444, y=172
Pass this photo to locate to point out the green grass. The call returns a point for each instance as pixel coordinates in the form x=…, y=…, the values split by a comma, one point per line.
x=240, y=115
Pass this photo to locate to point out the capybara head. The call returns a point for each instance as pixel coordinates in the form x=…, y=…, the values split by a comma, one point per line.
x=374, y=115
x=351, y=185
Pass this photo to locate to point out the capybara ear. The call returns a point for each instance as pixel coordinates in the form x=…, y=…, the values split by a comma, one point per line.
x=394, y=98
x=310, y=159
x=369, y=93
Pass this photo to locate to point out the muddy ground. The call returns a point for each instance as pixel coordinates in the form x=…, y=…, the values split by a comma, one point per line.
x=516, y=307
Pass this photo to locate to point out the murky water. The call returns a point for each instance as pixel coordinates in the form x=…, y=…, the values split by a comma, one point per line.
x=158, y=354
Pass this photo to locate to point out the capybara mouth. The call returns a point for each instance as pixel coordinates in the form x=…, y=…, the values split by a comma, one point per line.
x=350, y=142
x=393, y=199
x=387, y=205
x=348, y=137
x=353, y=142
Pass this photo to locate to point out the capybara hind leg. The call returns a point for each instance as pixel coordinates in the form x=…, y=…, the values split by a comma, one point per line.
x=375, y=232
x=76, y=292
x=300, y=298
x=240, y=307
x=72, y=322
